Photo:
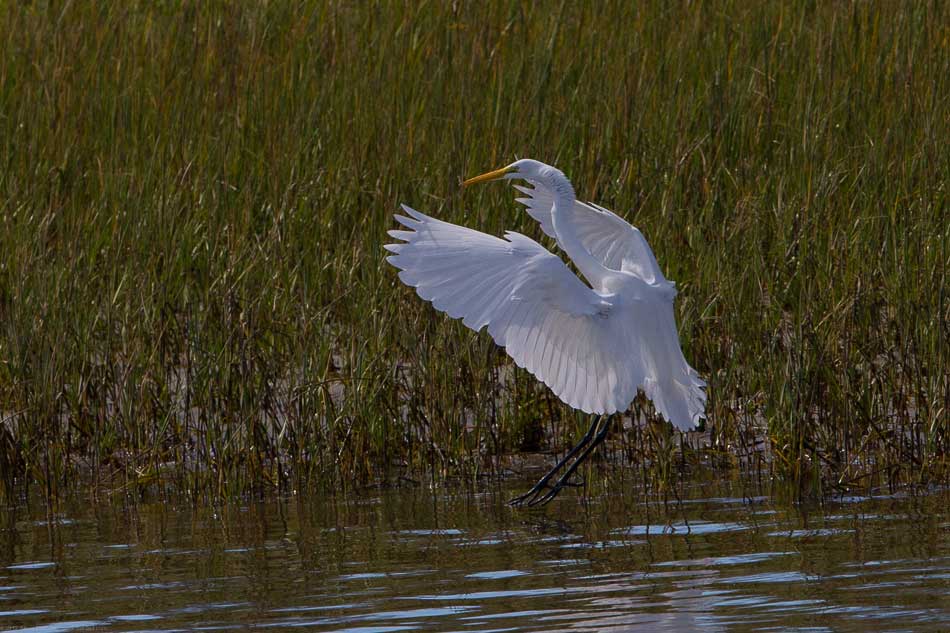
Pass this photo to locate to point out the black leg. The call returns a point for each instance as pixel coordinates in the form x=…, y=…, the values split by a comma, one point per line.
x=563, y=479
x=531, y=497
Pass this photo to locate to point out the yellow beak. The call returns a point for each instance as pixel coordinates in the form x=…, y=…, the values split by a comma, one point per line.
x=492, y=175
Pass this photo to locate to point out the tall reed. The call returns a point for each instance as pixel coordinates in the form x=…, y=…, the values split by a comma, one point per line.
x=194, y=196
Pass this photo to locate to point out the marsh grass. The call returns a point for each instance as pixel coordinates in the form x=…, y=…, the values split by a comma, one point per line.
x=194, y=198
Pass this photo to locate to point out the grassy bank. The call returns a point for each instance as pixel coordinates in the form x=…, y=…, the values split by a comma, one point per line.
x=194, y=195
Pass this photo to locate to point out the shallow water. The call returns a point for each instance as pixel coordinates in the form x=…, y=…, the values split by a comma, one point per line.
x=419, y=560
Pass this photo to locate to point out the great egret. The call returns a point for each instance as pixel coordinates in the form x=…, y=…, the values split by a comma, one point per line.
x=594, y=346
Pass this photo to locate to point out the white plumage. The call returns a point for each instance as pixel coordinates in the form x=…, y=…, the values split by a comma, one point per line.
x=594, y=346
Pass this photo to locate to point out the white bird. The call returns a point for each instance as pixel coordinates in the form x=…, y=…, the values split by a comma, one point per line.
x=594, y=345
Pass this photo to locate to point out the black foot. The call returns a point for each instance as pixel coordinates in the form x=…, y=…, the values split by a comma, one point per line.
x=541, y=492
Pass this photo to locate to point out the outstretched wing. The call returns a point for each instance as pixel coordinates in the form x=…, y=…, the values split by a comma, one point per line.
x=549, y=322
x=608, y=237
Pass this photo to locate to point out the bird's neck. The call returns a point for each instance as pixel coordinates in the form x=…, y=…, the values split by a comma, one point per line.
x=562, y=216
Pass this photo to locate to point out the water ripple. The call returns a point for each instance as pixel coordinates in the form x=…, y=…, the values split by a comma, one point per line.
x=708, y=564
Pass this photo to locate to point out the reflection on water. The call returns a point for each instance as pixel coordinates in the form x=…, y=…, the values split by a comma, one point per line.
x=412, y=560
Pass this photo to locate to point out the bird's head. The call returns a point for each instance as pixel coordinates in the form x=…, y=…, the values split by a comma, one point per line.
x=535, y=172
x=525, y=169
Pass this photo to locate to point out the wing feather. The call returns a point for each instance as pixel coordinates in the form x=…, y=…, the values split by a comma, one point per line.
x=591, y=349
x=611, y=239
x=547, y=352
